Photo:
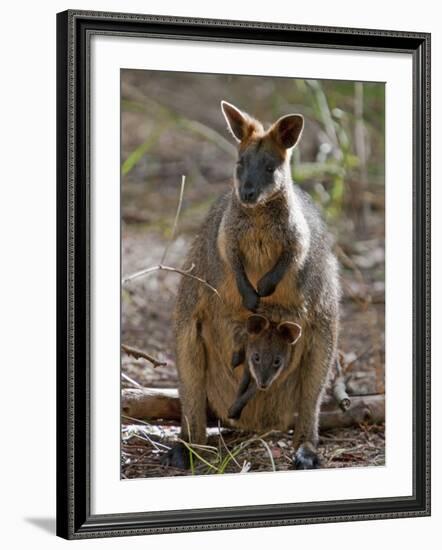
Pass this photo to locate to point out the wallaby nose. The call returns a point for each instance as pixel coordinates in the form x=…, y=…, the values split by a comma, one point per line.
x=248, y=195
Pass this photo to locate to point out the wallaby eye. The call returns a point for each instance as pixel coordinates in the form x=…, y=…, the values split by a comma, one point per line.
x=270, y=168
x=256, y=358
x=240, y=162
x=277, y=362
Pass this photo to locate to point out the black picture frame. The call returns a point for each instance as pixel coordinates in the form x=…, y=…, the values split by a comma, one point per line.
x=74, y=31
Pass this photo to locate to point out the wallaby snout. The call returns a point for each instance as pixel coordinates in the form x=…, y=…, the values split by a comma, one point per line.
x=248, y=194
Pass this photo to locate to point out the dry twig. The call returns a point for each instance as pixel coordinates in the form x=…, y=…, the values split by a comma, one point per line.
x=130, y=380
x=185, y=273
x=175, y=222
x=138, y=354
x=161, y=266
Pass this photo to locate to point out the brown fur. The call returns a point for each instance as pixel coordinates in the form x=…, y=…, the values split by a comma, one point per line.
x=308, y=294
x=265, y=349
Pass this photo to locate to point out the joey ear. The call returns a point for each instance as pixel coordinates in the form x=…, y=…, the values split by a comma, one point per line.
x=256, y=324
x=237, y=121
x=290, y=331
x=287, y=130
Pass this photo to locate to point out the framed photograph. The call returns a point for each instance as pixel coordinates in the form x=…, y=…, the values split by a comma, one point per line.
x=243, y=274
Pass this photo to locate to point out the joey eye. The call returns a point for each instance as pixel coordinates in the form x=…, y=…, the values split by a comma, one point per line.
x=270, y=169
x=277, y=362
x=256, y=358
x=240, y=163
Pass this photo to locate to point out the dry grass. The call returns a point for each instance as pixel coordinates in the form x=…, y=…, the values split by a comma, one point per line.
x=228, y=451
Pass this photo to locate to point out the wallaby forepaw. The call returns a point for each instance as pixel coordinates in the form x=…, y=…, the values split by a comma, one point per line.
x=306, y=458
x=233, y=413
x=265, y=288
x=238, y=357
x=251, y=301
x=177, y=457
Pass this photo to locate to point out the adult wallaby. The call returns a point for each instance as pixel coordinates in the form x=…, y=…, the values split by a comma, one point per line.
x=265, y=349
x=264, y=247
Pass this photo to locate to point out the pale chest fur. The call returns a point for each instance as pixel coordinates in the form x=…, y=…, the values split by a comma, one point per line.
x=260, y=246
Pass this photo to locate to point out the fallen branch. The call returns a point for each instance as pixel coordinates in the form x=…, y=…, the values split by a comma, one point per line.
x=138, y=354
x=363, y=409
x=163, y=404
x=152, y=403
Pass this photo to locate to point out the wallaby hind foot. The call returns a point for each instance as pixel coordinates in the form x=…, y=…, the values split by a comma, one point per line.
x=177, y=457
x=306, y=458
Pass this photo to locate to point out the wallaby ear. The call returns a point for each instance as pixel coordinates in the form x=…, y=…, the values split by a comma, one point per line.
x=290, y=331
x=287, y=130
x=237, y=121
x=256, y=324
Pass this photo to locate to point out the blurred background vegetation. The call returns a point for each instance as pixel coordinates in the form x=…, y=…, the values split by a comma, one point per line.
x=172, y=125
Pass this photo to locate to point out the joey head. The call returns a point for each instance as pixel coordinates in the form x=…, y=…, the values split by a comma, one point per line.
x=266, y=353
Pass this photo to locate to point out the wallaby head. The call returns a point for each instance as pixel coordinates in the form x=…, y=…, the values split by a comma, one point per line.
x=263, y=166
x=268, y=349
